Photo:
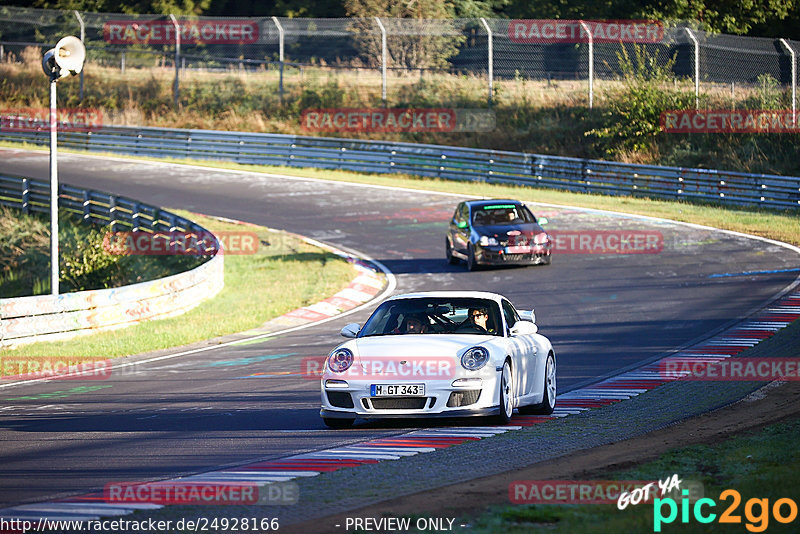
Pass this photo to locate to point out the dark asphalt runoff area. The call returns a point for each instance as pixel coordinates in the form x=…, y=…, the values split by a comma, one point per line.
x=194, y=413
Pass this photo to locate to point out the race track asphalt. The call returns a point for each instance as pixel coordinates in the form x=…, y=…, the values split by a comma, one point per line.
x=198, y=412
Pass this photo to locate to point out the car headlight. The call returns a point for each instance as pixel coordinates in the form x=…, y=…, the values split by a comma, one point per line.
x=475, y=358
x=486, y=240
x=541, y=238
x=340, y=360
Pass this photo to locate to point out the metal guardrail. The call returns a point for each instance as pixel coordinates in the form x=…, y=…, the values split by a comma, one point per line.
x=446, y=162
x=119, y=213
x=49, y=317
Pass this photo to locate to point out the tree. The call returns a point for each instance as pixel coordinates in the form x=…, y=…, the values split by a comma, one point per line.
x=156, y=7
x=725, y=16
x=419, y=32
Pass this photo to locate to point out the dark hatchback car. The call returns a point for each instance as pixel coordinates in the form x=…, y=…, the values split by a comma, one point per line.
x=496, y=232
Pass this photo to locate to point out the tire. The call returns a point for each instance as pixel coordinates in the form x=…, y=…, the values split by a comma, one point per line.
x=448, y=252
x=334, y=422
x=549, y=398
x=506, y=395
x=471, y=264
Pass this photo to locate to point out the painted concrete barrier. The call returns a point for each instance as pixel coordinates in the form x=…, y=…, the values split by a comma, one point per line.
x=54, y=317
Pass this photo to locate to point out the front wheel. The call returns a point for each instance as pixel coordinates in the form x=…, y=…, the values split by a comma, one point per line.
x=333, y=422
x=471, y=264
x=506, y=395
x=548, y=403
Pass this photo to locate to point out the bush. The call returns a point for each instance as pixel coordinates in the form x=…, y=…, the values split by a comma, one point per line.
x=84, y=262
x=633, y=118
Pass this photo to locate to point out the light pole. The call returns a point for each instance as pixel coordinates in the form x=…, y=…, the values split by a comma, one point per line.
x=66, y=59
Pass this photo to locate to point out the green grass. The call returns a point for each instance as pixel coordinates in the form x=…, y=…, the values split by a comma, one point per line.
x=765, y=465
x=282, y=276
x=780, y=225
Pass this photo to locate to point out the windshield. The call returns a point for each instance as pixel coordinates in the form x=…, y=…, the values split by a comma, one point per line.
x=434, y=316
x=501, y=214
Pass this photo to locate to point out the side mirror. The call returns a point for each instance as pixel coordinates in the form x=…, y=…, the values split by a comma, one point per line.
x=542, y=221
x=351, y=330
x=529, y=316
x=523, y=328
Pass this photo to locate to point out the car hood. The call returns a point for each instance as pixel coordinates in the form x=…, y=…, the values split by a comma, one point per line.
x=407, y=357
x=418, y=346
x=502, y=230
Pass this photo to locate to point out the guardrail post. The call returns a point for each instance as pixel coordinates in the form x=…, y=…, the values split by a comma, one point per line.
x=794, y=79
x=176, y=84
x=87, y=207
x=112, y=212
x=26, y=196
x=383, y=59
x=696, y=67
x=490, y=59
x=83, y=38
x=585, y=176
x=135, y=217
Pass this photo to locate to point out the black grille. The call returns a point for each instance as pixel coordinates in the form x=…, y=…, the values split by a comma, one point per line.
x=402, y=403
x=515, y=257
x=340, y=399
x=463, y=398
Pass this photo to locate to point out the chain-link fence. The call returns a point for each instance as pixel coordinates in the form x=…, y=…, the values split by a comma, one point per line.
x=585, y=57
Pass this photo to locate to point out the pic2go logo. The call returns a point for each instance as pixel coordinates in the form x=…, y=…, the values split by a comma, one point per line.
x=757, y=521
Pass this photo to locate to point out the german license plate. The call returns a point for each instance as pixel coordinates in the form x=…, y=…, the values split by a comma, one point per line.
x=519, y=249
x=397, y=390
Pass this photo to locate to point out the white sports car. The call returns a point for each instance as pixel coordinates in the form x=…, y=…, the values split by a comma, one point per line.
x=447, y=354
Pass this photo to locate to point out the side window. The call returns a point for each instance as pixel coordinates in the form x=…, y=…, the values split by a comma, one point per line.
x=457, y=214
x=527, y=215
x=510, y=314
x=463, y=215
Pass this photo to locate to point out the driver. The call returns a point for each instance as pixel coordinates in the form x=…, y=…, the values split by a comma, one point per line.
x=412, y=324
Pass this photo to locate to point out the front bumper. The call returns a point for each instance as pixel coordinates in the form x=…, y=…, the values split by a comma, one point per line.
x=499, y=255
x=441, y=399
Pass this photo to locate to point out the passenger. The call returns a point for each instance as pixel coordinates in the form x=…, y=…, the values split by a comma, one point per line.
x=476, y=320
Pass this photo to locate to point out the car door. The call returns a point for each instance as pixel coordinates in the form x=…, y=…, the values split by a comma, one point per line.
x=461, y=228
x=523, y=353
